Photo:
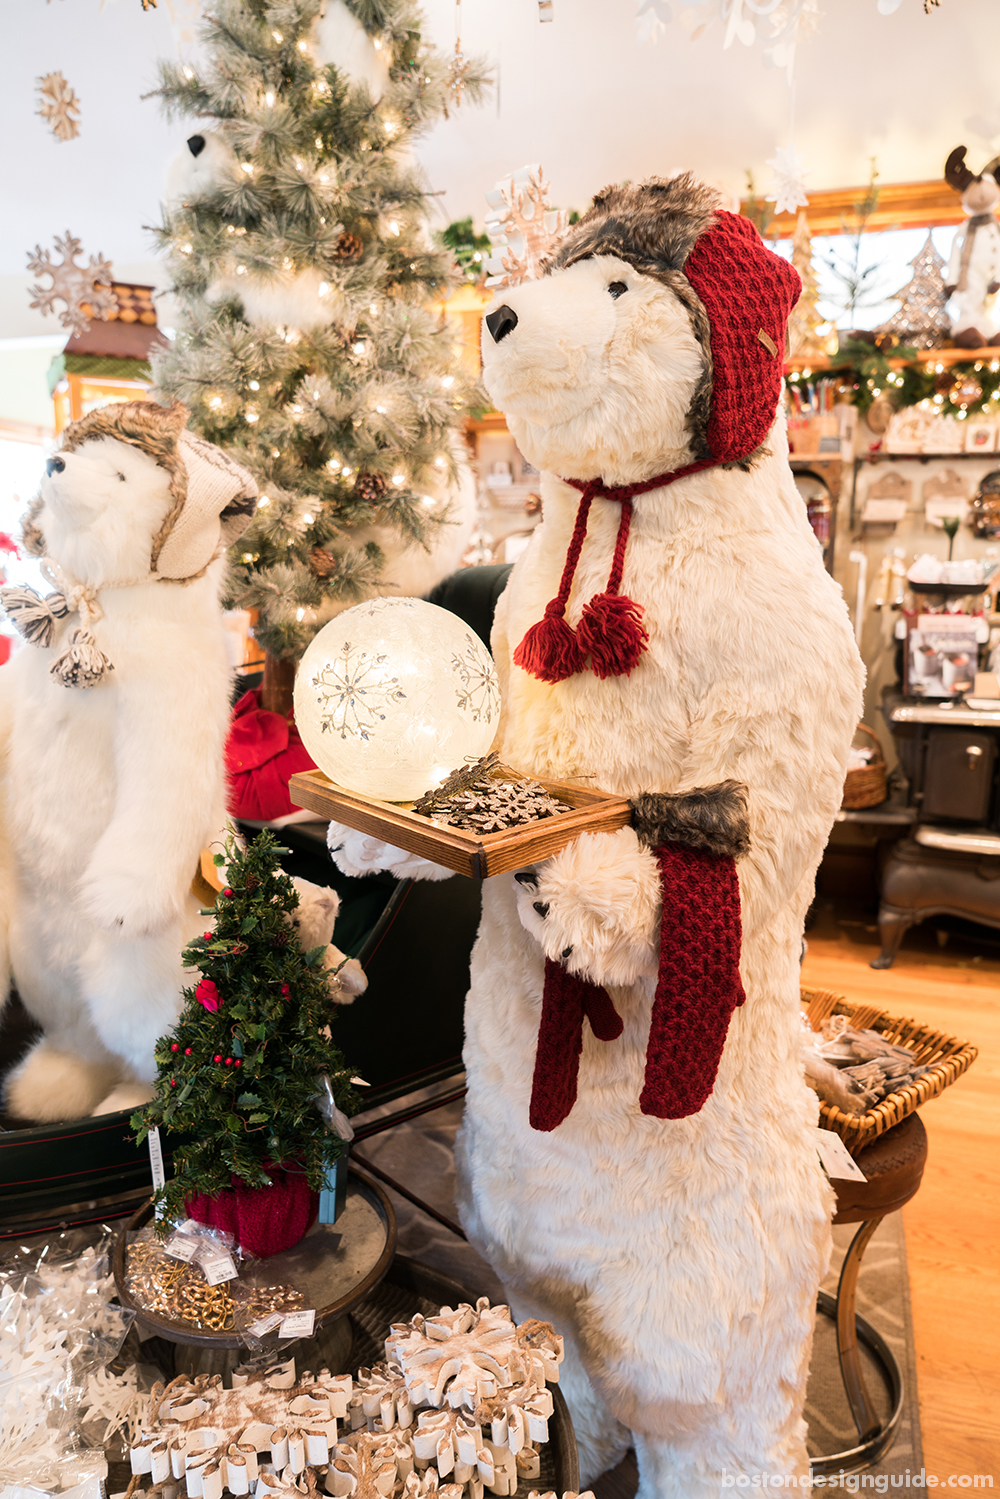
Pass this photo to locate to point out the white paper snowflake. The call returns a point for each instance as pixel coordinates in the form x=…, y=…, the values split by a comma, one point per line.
x=787, y=191
x=86, y=290
x=355, y=691
x=524, y=231
x=648, y=25
x=59, y=106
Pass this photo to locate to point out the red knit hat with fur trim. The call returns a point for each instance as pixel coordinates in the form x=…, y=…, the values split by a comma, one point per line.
x=748, y=293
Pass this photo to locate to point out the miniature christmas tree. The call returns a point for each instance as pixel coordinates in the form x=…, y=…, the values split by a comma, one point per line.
x=304, y=274
x=922, y=320
x=804, y=341
x=239, y=1073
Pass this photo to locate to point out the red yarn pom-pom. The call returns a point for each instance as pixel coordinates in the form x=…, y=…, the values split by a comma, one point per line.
x=612, y=634
x=550, y=650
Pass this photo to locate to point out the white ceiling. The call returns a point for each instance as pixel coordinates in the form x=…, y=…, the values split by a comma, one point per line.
x=578, y=94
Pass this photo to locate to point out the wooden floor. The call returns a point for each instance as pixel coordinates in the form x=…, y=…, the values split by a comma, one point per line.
x=953, y=1223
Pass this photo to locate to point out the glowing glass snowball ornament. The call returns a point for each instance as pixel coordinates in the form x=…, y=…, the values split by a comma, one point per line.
x=392, y=695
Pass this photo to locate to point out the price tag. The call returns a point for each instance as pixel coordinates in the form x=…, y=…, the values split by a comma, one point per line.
x=836, y=1159
x=182, y=1247
x=218, y=1267
x=156, y=1159
x=297, y=1325
x=264, y=1325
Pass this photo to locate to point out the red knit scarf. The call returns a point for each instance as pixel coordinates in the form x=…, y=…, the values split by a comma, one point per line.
x=611, y=632
x=698, y=988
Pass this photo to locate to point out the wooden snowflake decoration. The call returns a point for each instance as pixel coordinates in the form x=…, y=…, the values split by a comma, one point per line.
x=524, y=231
x=59, y=106
x=86, y=290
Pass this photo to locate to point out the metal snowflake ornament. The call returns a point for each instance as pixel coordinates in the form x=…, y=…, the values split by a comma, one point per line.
x=59, y=106
x=787, y=190
x=86, y=290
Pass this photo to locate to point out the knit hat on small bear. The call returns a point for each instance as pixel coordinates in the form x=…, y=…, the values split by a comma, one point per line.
x=738, y=295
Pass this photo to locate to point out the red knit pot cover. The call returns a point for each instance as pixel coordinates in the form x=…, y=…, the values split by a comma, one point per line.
x=263, y=1220
x=697, y=990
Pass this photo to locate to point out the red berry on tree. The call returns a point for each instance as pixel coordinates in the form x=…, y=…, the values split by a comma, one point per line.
x=285, y=990
x=217, y=1058
x=175, y=1047
x=207, y=936
x=227, y=892
x=237, y=1063
x=173, y=1082
x=187, y=1051
x=229, y=1061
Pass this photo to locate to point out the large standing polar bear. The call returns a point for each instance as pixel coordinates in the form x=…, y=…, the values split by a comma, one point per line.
x=649, y=1181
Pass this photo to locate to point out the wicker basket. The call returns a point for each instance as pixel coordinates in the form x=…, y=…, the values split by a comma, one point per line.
x=866, y=786
x=945, y=1055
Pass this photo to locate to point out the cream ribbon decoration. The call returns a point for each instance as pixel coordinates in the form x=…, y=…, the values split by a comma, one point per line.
x=82, y=663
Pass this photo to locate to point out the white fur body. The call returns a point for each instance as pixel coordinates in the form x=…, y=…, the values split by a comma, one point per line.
x=975, y=306
x=108, y=794
x=681, y=1258
x=340, y=38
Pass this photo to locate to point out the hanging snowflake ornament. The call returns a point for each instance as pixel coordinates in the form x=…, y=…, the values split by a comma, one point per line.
x=59, y=106
x=523, y=229
x=787, y=191
x=650, y=24
x=86, y=290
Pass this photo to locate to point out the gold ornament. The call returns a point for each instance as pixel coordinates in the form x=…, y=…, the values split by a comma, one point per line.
x=58, y=105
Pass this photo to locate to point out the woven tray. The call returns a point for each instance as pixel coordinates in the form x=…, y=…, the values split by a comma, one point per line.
x=946, y=1056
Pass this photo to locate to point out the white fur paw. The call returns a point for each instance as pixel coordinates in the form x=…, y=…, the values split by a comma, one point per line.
x=595, y=908
x=125, y=1096
x=356, y=854
x=129, y=903
x=50, y=1086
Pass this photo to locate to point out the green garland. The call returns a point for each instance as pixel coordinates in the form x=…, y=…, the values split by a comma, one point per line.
x=239, y=1080
x=867, y=372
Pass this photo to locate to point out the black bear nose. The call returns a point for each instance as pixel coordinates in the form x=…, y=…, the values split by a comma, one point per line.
x=196, y=144
x=54, y=466
x=501, y=322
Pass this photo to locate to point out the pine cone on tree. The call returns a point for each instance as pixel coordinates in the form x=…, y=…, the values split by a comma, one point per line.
x=321, y=562
x=349, y=247
x=370, y=488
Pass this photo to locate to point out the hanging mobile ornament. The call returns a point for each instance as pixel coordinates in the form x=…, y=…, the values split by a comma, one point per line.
x=459, y=65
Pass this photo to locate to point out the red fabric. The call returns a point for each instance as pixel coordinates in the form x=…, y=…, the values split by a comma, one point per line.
x=745, y=288
x=4, y=648
x=611, y=631
x=263, y=750
x=565, y=1001
x=698, y=987
x=263, y=1220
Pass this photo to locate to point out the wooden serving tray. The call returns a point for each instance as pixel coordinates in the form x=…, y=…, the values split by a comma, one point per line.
x=474, y=854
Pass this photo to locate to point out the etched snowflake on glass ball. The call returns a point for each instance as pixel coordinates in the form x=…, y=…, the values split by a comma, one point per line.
x=392, y=695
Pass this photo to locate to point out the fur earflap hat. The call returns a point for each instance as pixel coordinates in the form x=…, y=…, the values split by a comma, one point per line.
x=738, y=295
x=213, y=497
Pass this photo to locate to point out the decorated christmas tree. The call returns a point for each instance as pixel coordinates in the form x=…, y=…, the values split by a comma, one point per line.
x=804, y=341
x=922, y=321
x=239, y=1074
x=307, y=343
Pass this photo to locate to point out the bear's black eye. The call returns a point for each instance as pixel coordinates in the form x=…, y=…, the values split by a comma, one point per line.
x=122, y=478
x=617, y=289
